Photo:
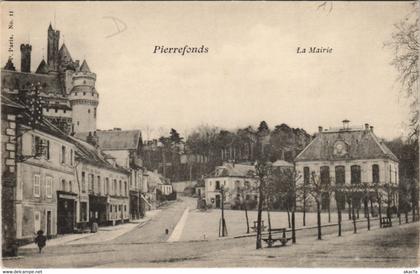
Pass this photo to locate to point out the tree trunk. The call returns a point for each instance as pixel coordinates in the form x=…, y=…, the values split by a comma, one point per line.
x=329, y=210
x=349, y=203
x=414, y=212
x=288, y=216
x=246, y=217
x=354, y=218
x=319, y=219
x=371, y=207
x=293, y=227
x=304, y=211
x=260, y=204
x=368, y=216
x=380, y=212
x=338, y=217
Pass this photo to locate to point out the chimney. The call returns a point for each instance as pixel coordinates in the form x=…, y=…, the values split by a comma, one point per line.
x=25, y=57
x=366, y=127
x=319, y=129
x=371, y=128
x=345, y=124
x=92, y=139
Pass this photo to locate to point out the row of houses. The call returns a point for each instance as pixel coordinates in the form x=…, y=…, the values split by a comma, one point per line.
x=62, y=184
x=337, y=156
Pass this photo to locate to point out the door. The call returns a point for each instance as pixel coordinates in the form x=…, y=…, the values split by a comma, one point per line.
x=65, y=216
x=217, y=201
x=49, y=223
x=37, y=221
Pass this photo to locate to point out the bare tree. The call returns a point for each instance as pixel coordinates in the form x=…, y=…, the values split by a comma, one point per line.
x=316, y=190
x=263, y=172
x=405, y=44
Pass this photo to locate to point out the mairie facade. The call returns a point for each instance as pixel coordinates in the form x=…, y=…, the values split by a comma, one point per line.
x=347, y=157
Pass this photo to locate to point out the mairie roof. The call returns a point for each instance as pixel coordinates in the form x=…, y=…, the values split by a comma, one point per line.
x=360, y=144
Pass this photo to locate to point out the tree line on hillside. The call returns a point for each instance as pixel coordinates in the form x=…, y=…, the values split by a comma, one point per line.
x=207, y=147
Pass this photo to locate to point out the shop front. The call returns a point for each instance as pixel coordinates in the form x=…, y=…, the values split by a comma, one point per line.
x=66, y=212
x=117, y=209
x=98, y=209
x=135, y=205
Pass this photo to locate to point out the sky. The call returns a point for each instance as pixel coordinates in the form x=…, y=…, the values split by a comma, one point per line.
x=252, y=71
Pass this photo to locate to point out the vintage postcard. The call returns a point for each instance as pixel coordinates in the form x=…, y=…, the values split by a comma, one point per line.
x=209, y=134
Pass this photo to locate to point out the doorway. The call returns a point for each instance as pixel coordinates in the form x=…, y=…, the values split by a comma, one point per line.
x=49, y=224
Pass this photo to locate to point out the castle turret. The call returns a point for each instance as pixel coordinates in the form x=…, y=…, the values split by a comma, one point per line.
x=25, y=57
x=52, y=54
x=84, y=100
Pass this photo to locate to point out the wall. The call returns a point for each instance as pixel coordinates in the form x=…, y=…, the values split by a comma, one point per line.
x=230, y=185
x=388, y=173
x=27, y=203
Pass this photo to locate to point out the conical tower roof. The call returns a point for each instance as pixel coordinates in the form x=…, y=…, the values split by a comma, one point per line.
x=84, y=67
x=64, y=54
x=42, y=68
x=9, y=65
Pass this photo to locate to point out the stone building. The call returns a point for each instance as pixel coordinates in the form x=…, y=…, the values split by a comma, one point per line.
x=232, y=177
x=125, y=147
x=9, y=114
x=68, y=93
x=346, y=156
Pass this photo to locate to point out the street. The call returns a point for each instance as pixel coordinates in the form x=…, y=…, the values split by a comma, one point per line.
x=147, y=246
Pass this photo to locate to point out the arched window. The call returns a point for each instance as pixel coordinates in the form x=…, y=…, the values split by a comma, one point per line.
x=70, y=186
x=375, y=174
x=355, y=174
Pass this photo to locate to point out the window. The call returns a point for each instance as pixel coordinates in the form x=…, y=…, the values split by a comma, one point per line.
x=125, y=208
x=120, y=190
x=217, y=185
x=98, y=182
x=94, y=113
x=107, y=185
x=63, y=185
x=71, y=156
x=340, y=175
x=110, y=208
x=325, y=181
x=375, y=174
x=37, y=185
x=40, y=147
x=48, y=187
x=89, y=110
x=90, y=182
x=83, y=182
x=355, y=174
x=115, y=187
x=63, y=154
x=306, y=175
x=70, y=186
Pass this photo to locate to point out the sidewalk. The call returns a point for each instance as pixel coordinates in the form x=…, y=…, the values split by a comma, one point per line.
x=104, y=234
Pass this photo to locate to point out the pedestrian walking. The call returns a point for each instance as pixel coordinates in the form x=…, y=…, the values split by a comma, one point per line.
x=40, y=240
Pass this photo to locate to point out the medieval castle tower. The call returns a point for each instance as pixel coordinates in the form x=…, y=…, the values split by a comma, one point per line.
x=69, y=97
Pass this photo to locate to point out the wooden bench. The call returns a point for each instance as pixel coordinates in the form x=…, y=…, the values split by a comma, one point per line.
x=386, y=222
x=276, y=234
x=255, y=227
